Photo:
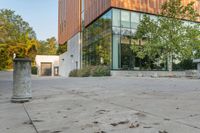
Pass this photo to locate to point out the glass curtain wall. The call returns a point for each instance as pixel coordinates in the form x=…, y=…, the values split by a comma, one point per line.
x=108, y=40
x=124, y=27
x=97, y=42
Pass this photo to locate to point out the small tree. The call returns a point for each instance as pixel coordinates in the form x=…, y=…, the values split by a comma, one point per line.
x=169, y=36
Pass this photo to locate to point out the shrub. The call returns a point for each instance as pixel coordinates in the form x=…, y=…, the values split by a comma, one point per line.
x=95, y=71
x=98, y=71
x=85, y=72
x=73, y=73
x=34, y=70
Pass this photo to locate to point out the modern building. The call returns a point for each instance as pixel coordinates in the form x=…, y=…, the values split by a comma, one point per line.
x=47, y=65
x=102, y=31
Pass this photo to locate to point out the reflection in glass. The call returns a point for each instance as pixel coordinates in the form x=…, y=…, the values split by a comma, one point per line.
x=108, y=41
x=116, y=30
x=115, y=52
x=133, y=32
x=127, y=58
x=135, y=19
x=116, y=17
x=125, y=31
x=97, y=42
x=125, y=19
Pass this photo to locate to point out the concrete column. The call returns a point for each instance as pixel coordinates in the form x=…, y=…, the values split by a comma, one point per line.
x=22, y=80
x=198, y=70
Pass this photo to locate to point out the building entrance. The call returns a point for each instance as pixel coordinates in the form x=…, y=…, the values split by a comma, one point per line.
x=46, y=69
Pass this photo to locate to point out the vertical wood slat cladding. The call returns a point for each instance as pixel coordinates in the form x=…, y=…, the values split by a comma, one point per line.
x=148, y=6
x=94, y=8
x=69, y=19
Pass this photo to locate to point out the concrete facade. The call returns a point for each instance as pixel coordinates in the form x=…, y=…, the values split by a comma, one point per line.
x=155, y=74
x=53, y=59
x=71, y=59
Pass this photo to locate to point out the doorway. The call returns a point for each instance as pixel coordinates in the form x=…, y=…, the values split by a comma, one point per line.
x=46, y=69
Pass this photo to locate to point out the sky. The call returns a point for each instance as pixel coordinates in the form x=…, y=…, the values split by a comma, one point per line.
x=42, y=15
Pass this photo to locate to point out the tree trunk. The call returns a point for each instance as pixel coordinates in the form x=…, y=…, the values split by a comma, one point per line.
x=169, y=62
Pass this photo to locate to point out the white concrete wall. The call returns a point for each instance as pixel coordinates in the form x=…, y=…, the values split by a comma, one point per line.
x=188, y=73
x=46, y=58
x=70, y=60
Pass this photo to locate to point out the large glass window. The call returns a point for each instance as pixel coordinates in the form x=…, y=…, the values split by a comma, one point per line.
x=83, y=4
x=109, y=39
x=116, y=30
x=116, y=18
x=125, y=19
x=135, y=19
x=125, y=31
x=97, y=42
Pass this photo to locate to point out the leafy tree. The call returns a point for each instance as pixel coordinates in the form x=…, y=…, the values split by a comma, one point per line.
x=16, y=36
x=43, y=48
x=48, y=47
x=52, y=45
x=62, y=48
x=169, y=37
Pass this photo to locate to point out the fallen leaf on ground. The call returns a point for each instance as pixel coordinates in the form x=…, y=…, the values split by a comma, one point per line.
x=134, y=125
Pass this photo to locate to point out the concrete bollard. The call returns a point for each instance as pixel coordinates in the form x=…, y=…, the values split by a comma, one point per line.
x=22, y=80
x=198, y=67
x=198, y=70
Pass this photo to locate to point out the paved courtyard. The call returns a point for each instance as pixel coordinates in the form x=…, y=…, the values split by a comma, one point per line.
x=102, y=105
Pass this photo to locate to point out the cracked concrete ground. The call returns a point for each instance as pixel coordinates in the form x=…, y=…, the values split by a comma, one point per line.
x=102, y=105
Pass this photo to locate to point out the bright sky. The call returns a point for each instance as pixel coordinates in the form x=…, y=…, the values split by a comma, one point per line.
x=42, y=15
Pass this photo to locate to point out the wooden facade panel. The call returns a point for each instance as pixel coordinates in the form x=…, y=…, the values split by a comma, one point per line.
x=148, y=6
x=94, y=8
x=69, y=19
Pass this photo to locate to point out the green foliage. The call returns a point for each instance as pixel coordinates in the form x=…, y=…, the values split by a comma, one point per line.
x=95, y=71
x=185, y=65
x=74, y=73
x=169, y=37
x=52, y=45
x=85, y=72
x=14, y=28
x=34, y=70
x=48, y=47
x=3, y=56
x=16, y=36
x=99, y=71
x=62, y=48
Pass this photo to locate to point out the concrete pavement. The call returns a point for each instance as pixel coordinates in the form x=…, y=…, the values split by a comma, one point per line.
x=103, y=105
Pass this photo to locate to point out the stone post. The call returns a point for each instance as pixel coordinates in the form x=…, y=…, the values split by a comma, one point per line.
x=22, y=80
x=198, y=67
x=198, y=70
